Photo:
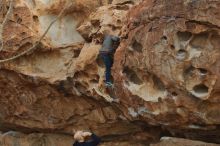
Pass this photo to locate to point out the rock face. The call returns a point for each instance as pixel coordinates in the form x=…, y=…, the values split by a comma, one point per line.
x=169, y=141
x=165, y=70
x=12, y=138
x=20, y=139
x=36, y=139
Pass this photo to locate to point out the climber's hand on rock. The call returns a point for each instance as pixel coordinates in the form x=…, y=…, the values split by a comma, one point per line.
x=86, y=134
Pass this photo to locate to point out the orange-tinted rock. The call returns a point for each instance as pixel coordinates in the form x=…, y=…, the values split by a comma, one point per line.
x=169, y=141
x=37, y=139
x=165, y=70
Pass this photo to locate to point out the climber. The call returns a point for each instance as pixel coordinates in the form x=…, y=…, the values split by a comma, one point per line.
x=106, y=52
x=80, y=137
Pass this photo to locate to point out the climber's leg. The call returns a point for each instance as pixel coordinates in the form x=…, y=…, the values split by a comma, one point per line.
x=111, y=59
x=107, y=59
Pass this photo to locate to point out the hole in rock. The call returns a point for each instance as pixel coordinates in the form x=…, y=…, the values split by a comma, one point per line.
x=23, y=33
x=164, y=38
x=199, y=41
x=119, y=21
x=158, y=83
x=184, y=36
x=19, y=20
x=132, y=76
x=203, y=71
x=35, y=18
x=174, y=93
x=200, y=90
x=172, y=47
x=81, y=74
x=181, y=54
x=76, y=53
x=113, y=27
x=95, y=79
x=137, y=46
x=122, y=7
x=95, y=22
x=69, y=79
x=127, y=2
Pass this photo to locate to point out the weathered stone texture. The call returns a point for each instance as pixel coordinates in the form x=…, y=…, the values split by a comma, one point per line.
x=170, y=61
x=170, y=141
x=166, y=69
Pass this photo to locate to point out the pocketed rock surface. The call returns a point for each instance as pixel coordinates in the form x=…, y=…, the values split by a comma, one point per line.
x=165, y=72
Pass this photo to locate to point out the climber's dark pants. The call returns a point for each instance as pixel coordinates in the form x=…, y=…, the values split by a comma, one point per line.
x=108, y=61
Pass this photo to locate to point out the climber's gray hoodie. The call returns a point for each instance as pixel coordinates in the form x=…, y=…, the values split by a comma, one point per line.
x=107, y=46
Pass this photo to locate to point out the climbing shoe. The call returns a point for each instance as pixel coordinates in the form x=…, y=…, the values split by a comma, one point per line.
x=109, y=84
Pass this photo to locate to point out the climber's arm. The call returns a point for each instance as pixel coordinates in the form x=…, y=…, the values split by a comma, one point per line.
x=115, y=38
x=95, y=139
